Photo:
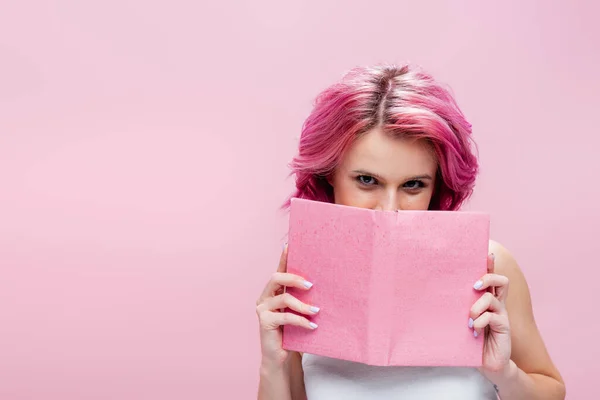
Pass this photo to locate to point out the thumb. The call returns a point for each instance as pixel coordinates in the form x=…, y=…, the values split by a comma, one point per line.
x=491, y=258
x=282, y=267
x=491, y=267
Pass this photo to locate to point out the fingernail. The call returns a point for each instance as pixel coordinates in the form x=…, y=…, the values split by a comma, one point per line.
x=478, y=285
x=475, y=333
x=308, y=284
x=284, y=246
x=314, y=309
x=471, y=322
x=493, y=256
x=313, y=325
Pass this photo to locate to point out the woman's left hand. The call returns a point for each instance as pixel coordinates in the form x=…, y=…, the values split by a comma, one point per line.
x=490, y=318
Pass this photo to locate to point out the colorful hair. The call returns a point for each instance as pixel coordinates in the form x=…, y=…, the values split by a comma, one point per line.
x=406, y=103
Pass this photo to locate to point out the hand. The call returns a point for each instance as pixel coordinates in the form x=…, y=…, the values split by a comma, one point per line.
x=271, y=317
x=489, y=317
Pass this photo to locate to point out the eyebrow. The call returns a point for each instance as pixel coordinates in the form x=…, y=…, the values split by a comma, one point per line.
x=412, y=178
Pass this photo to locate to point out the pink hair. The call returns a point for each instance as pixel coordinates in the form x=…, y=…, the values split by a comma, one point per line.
x=405, y=102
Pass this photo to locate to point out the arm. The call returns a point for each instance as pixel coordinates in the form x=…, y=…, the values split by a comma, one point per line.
x=282, y=382
x=274, y=383
x=530, y=374
x=297, y=377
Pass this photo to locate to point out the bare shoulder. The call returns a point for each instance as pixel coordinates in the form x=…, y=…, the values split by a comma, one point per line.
x=505, y=263
x=518, y=302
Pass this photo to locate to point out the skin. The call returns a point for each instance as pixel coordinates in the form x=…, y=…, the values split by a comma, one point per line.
x=383, y=173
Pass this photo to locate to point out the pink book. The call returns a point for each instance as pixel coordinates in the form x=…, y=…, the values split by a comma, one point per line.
x=394, y=288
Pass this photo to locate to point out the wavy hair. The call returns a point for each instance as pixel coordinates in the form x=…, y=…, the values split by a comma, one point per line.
x=407, y=103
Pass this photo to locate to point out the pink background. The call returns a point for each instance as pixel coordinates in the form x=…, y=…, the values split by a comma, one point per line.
x=143, y=151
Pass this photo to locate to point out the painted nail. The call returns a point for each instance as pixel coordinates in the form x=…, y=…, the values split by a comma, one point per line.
x=308, y=284
x=478, y=285
x=493, y=256
x=471, y=322
x=284, y=246
x=475, y=333
x=314, y=309
x=313, y=325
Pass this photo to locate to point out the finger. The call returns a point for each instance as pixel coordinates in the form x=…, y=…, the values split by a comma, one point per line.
x=273, y=320
x=496, y=322
x=491, y=280
x=491, y=258
x=487, y=302
x=282, y=267
x=287, y=300
x=491, y=267
x=281, y=279
x=497, y=282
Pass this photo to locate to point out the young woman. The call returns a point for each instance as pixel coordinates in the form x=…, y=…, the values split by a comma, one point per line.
x=392, y=138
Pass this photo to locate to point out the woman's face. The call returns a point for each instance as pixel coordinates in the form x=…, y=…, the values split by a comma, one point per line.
x=380, y=172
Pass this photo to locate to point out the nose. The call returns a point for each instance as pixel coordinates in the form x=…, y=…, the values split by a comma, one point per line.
x=388, y=201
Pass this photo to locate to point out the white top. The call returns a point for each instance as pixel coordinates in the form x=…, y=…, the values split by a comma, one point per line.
x=333, y=379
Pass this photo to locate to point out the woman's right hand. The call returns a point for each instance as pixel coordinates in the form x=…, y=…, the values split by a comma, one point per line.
x=269, y=308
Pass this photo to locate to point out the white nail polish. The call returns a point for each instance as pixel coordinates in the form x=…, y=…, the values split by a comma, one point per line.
x=313, y=325
x=475, y=333
x=314, y=309
x=308, y=284
x=471, y=322
x=478, y=285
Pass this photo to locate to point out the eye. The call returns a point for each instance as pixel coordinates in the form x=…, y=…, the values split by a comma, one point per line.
x=414, y=185
x=366, y=180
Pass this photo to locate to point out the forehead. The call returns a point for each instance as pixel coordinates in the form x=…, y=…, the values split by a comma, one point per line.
x=384, y=155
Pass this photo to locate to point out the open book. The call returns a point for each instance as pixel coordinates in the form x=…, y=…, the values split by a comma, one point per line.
x=394, y=288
